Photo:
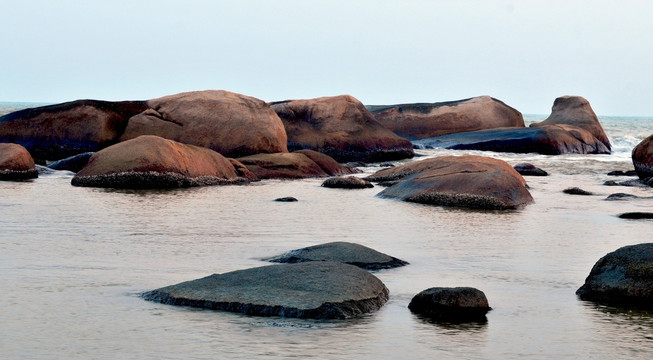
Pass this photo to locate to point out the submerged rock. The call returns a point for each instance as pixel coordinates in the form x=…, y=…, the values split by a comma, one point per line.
x=576, y=191
x=457, y=304
x=296, y=165
x=58, y=131
x=347, y=182
x=636, y=215
x=464, y=181
x=622, y=278
x=286, y=199
x=74, y=163
x=232, y=124
x=642, y=156
x=341, y=127
x=344, y=252
x=621, y=196
x=419, y=121
x=623, y=173
x=316, y=289
x=526, y=169
x=151, y=162
x=16, y=163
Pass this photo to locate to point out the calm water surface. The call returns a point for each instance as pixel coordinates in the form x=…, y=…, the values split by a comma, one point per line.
x=74, y=260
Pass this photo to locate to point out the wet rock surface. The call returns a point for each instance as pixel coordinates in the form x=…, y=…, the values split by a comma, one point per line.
x=316, y=289
x=526, y=169
x=576, y=191
x=16, y=163
x=74, y=163
x=344, y=252
x=457, y=304
x=347, y=182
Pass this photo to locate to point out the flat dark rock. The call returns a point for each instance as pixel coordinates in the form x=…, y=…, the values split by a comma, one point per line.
x=74, y=163
x=286, y=199
x=451, y=304
x=526, y=169
x=621, y=196
x=314, y=289
x=636, y=215
x=576, y=191
x=344, y=252
x=623, y=173
x=347, y=182
x=622, y=278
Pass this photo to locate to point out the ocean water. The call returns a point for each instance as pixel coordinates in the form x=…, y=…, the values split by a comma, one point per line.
x=73, y=262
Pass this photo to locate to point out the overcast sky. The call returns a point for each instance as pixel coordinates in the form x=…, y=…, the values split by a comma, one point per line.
x=525, y=53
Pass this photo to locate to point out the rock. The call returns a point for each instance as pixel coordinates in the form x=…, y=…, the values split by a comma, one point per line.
x=16, y=163
x=58, y=131
x=642, y=156
x=572, y=113
x=630, y=183
x=549, y=140
x=242, y=171
x=74, y=163
x=622, y=278
x=457, y=304
x=347, y=182
x=286, y=199
x=623, y=173
x=419, y=121
x=576, y=191
x=288, y=166
x=621, y=196
x=526, y=169
x=341, y=127
x=328, y=164
x=232, y=124
x=343, y=252
x=636, y=215
x=151, y=162
x=316, y=289
x=464, y=181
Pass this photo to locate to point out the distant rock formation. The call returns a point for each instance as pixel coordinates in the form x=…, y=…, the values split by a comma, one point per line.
x=341, y=127
x=462, y=181
x=151, y=162
x=426, y=120
x=16, y=163
x=316, y=289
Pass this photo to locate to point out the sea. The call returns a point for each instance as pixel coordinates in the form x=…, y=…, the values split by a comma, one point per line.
x=74, y=261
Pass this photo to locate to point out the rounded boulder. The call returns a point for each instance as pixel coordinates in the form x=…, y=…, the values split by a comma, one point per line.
x=16, y=163
x=451, y=304
x=642, y=156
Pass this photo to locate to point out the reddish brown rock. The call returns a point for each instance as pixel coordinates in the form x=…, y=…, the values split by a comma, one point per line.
x=462, y=181
x=232, y=124
x=643, y=158
x=575, y=115
x=150, y=162
x=341, y=127
x=58, y=131
x=328, y=164
x=294, y=165
x=419, y=121
x=16, y=163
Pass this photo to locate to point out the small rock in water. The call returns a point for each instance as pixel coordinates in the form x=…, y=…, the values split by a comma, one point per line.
x=621, y=196
x=286, y=199
x=576, y=191
x=623, y=173
x=347, y=182
x=631, y=183
x=636, y=215
x=526, y=169
x=459, y=304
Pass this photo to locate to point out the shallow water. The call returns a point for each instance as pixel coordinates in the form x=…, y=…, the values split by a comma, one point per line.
x=73, y=261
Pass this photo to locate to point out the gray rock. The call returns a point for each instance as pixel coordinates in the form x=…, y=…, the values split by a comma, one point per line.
x=344, y=252
x=622, y=278
x=74, y=163
x=621, y=196
x=526, y=169
x=308, y=290
x=347, y=182
x=629, y=183
x=576, y=191
x=623, y=173
x=457, y=304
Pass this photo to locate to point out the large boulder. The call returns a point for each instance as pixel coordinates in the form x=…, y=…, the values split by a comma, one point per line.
x=294, y=165
x=642, y=156
x=463, y=181
x=548, y=140
x=344, y=252
x=341, y=127
x=419, y=121
x=54, y=132
x=457, y=304
x=622, y=278
x=317, y=290
x=572, y=113
x=232, y=124
x=16, y=163
x=151, y=162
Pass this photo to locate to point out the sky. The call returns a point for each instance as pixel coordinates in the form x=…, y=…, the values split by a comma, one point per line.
x=525, y=53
